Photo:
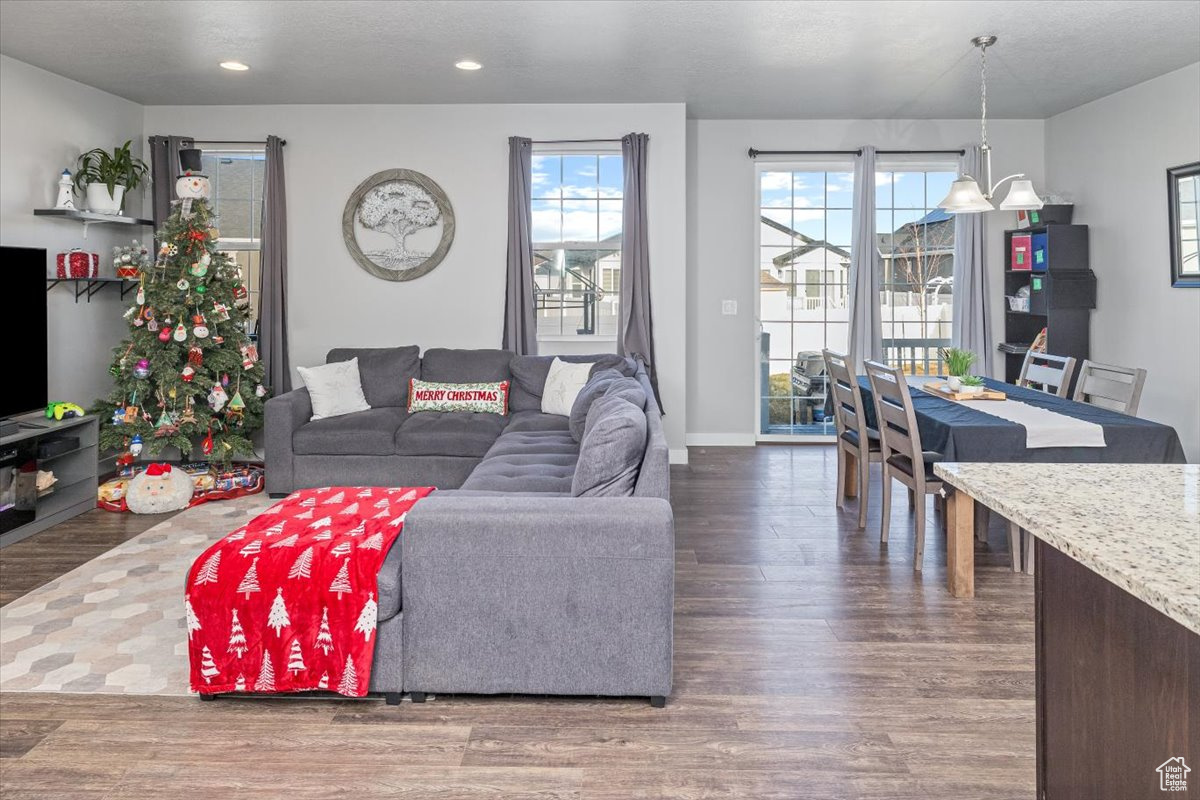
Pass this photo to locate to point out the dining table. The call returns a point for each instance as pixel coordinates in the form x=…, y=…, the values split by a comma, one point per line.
x=963, y=431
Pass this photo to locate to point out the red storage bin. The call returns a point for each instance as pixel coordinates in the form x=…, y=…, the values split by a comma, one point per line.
x=78, y=264
x=1021, y=255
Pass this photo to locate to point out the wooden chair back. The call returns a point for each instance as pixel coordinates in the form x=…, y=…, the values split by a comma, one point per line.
x=1112, y=387
x=1052, y=373
x=846, y=396
x=894, y=413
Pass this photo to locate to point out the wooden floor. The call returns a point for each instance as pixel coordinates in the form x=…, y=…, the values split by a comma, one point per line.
x=810, y=662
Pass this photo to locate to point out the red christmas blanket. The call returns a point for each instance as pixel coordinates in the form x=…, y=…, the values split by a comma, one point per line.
x=286, y=603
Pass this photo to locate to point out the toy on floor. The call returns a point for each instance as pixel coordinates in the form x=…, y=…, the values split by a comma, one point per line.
x=159, y=489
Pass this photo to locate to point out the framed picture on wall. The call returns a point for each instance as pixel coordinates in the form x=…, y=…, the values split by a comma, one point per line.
x=1183, y=201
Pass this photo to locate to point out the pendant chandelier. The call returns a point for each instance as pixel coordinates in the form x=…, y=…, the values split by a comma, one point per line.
x=966, y=195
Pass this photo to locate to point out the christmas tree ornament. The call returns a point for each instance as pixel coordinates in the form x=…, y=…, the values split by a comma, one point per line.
x=188, y=373
x=260, y=391
x=118, y=416
x=218, y=338
x=139, y=322
x=199, y=269
x=249, y=356
x=201, y=289
x=141, y=370
x=129, y=312
x=152, y=325
x=195, y=355
x=125, y=459
x=164, y=335
x=140, y=297
x=180, y=332
x=217, y=397
x=172, y=392
x=164, y=421
x=220, y=312
x=207, y=444
x=200, y=331
x=148, y=313
x=224, y=378
x=172, y=250
x=182, y=285
x=131, y=415
x=135, y=445
x=188, y=417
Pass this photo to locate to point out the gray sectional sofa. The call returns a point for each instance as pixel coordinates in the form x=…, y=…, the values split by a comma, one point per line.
x=536, y=568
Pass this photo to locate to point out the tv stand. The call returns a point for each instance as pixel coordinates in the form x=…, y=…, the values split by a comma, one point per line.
x=77, y=470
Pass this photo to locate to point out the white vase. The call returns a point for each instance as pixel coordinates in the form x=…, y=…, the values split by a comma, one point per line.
x=954, y=383
x=101, y=202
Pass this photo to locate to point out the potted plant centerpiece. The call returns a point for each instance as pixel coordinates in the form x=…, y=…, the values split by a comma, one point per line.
x=971, y=384
x=108, y=176
x=958, y=366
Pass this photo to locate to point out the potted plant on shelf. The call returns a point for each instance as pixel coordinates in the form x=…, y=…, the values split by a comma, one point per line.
x=958, y=365
x=108, y=176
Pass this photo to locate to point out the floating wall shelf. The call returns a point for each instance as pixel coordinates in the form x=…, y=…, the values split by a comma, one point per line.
x=86, y=287
x=89, y=218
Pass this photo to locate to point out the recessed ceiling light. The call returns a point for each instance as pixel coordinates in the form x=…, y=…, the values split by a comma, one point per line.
x=468, y=65
x=235, y=66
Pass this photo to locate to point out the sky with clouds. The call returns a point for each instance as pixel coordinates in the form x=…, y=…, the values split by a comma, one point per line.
x=576, y=198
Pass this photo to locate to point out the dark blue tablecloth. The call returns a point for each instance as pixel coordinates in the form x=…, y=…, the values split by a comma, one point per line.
x=961, y=433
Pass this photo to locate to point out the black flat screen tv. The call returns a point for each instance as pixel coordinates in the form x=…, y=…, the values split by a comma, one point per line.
x=23, y=328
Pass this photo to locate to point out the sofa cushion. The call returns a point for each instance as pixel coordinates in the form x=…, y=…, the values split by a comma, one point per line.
x=592, y=391
x=628, y=389
x=384, y=371
x=448, y=433
x=335, y=389
x=465, y=366
x=614, y=443
x=481, y=398
x=535, y=421
x=529, y=375
x=363, y=433
x=527, y=461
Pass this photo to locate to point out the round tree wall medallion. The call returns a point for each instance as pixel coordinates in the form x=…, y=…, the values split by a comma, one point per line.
x=398, y=224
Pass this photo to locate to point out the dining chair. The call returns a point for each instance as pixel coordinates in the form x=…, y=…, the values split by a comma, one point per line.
x=1111, y=387
x=854, y=438
x=1051, y=373
x=903, y=458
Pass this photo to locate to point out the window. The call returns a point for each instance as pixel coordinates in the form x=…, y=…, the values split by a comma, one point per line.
x=577, y=243
x=803, y=266
x=236, y=177
x=916, y=241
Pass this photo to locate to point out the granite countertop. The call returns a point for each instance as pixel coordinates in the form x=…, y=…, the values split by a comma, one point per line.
x=1137, y=525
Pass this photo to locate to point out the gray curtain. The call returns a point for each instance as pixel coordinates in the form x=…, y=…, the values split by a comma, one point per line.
x=164, y=170
x=520, y=324
x=272, y=315
x=635, y=337
x=971, y=328
x=866, y=324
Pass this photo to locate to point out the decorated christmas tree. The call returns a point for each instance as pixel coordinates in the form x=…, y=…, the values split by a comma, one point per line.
x=188, y=372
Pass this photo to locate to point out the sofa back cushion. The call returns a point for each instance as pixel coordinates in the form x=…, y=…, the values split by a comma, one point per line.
x=628, y=389
x=592, y=391
x=445, y=365
x=614, y=442
x=529, y=375
x=384, y=371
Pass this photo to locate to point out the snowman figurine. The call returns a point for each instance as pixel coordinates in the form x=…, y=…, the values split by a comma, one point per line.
x=66, y=197
x=192, y=184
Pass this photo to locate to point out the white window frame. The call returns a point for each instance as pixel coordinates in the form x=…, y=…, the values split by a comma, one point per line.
x=241, y=244
x=581, y=149
x=790, y=164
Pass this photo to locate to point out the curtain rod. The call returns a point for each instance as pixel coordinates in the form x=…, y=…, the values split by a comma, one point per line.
x=229, y=141
x=756, y=153
x=571, y=141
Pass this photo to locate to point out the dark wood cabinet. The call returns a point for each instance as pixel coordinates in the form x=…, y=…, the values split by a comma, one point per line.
x=1118, y=688
x=1061, y=297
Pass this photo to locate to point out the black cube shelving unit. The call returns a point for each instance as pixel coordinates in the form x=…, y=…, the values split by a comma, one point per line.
x=1062, y=294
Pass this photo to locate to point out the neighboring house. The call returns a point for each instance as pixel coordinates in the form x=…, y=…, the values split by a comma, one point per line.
x=809, y=269
x=577, y=284
x=919, y=254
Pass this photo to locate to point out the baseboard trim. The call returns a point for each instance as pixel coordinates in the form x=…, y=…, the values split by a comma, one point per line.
x=678, y=455
x=720, y=440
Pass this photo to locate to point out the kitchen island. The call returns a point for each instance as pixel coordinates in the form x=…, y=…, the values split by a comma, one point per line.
x=1117, y=595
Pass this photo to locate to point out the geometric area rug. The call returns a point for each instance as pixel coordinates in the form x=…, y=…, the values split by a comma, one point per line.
x=115, y=625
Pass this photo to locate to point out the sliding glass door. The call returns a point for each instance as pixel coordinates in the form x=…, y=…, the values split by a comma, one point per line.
x=802, y=270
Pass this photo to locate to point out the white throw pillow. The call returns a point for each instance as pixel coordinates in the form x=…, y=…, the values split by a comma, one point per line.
x=563, y=383
x=335, y=389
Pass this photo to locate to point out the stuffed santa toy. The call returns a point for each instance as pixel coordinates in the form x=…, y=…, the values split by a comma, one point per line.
x=158, y=490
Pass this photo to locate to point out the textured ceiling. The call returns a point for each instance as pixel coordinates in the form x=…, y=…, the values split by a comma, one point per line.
x=748, y=59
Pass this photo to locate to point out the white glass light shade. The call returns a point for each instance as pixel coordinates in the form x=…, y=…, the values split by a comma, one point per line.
x=965, y=197
x=1021, y=197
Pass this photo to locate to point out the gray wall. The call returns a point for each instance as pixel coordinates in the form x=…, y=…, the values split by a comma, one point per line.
x=331, y=149
x=46, y=121
x=722, y=217
x=1111, y=156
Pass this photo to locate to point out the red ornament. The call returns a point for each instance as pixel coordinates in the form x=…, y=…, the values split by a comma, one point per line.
x=195, y=355
x=207, y=444
x=164, y=334
x=125, y=459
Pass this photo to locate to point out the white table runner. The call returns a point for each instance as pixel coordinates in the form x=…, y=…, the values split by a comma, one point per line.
x=1043, y=427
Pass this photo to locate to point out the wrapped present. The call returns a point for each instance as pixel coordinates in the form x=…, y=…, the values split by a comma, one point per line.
x=77, y=263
